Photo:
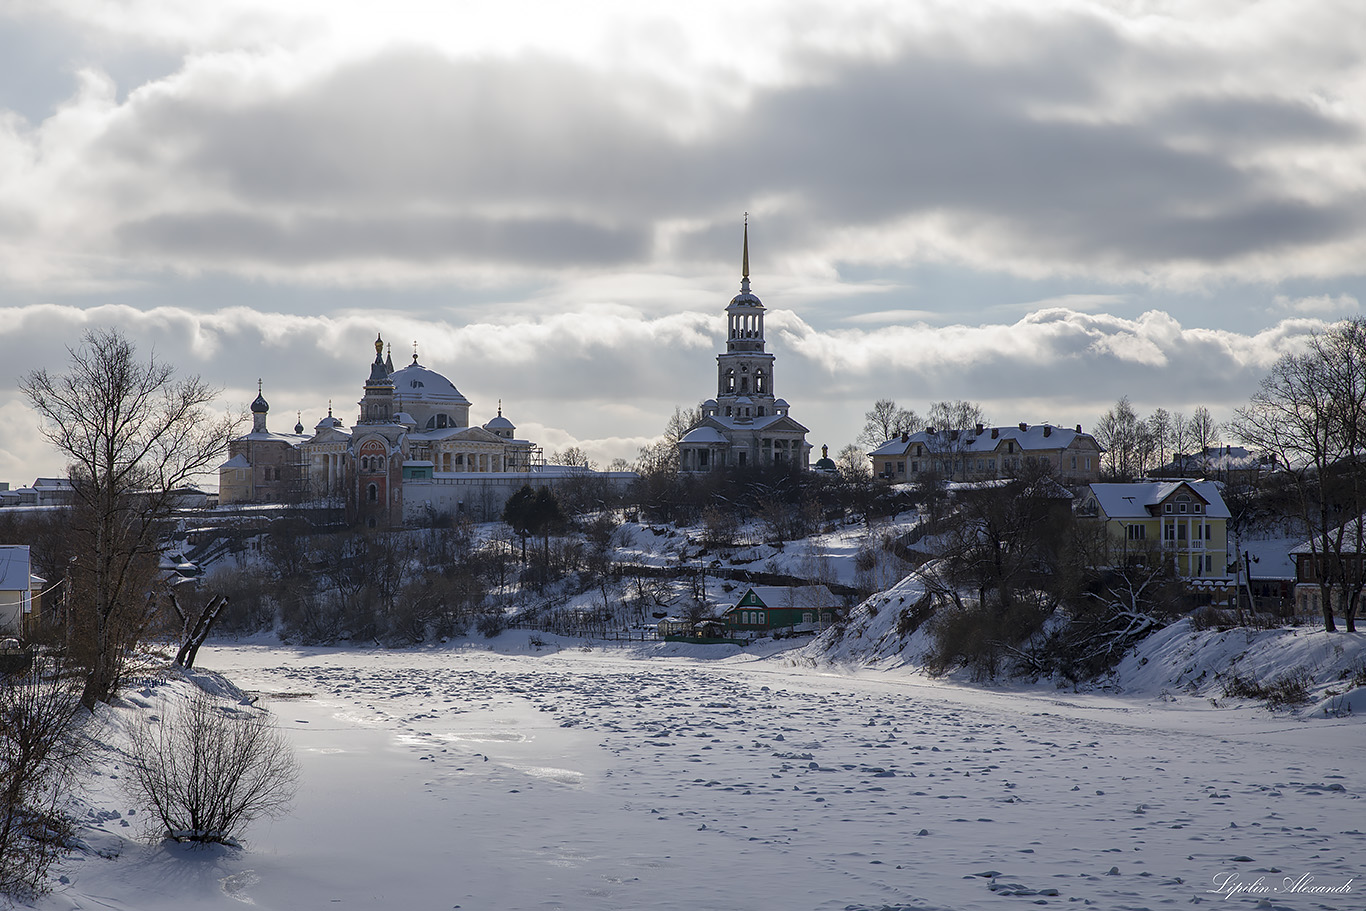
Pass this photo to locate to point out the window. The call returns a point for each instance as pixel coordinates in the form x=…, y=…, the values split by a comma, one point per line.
x=701, y=458
x=1181, y=532
x=887, y=468
x=1074, y=463
x=991, y=464
x=915, y=467
x=372, y=493
x=761, y=411
x=1166, y=507
x=1138, y=532
x=1168, y=532
x=1208, y=530
x=1195, y=507
x=900, y=467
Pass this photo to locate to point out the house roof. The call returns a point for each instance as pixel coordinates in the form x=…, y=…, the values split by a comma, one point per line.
x=15, y=568
x=1349, y=537
x=1138, y=500
x=1029, y=438
x=779, y=596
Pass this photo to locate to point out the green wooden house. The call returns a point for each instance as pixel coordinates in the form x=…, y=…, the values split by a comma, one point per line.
x=764, y=608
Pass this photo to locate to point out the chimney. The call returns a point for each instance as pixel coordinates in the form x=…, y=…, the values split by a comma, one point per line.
x=1047, y=430
x=995, y=432
x=979, y=430
x=953, y=436
x=1078, y=428
x=1023, y=426
x=929, y=430
x=905, y=437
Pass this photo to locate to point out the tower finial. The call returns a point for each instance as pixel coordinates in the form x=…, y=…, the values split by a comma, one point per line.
x=414, y=351
x=379, y=346
x=744, y=268
x=500, y=408
x=258, y=385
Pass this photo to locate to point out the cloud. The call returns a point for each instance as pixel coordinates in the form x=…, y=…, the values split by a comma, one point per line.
x=607, y=378
x=1064, y=140
x=1327, y=304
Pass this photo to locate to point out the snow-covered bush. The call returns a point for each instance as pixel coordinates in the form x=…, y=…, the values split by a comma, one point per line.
x=207, y=770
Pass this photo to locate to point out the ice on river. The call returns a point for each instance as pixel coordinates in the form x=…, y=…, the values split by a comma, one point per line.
x=464, y=778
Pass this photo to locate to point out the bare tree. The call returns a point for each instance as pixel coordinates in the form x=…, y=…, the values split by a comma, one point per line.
x=853, y=464
x=41, y=749
x=207, y=770
x=133, y=433
x=1202, y=429
x=1117, y=433
x=1309, y=414
x=887, y=420
x=1159, y=426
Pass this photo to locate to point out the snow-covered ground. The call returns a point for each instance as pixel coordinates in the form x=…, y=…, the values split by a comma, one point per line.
x=504, y=777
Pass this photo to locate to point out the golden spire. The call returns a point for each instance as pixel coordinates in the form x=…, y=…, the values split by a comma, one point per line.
x=379, y=346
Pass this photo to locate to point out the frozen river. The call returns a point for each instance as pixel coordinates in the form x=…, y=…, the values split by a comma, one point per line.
x=582, y=779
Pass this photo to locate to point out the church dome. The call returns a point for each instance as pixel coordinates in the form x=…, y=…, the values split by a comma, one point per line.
x=260, y=406
x=499, y=423
x=328, y=423
x=416, y=383
x=746, y=299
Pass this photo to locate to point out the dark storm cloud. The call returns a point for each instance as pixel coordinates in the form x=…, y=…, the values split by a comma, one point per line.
x=1032, y=151
x=423, y=237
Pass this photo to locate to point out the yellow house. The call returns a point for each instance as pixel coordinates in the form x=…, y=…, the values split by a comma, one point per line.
x=20, y=591
x=1184, y=521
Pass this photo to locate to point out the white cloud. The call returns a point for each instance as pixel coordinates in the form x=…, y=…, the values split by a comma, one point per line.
x=1325, y=304
x=607, y=378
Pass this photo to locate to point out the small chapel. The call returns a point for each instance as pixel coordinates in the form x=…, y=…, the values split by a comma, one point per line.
x=746, y=423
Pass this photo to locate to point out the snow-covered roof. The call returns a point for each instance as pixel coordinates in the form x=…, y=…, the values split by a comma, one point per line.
x=789, y=596
x=1348, y=530
x=417, y=383
x=1028, y=437
x=267, y=436
x=704, y=434
x=14, y=568
x=237, y=461
x=499, y=423
x=1140, y=500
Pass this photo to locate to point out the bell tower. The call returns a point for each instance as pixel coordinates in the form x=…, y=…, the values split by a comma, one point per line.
x=744, y=373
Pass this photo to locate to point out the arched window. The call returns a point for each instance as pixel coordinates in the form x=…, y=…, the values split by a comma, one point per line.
x=759, y=382
x=372, y=493
x=730, y=381
x=744, y=384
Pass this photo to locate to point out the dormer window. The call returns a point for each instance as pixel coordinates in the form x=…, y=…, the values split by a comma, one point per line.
x=1166, y=507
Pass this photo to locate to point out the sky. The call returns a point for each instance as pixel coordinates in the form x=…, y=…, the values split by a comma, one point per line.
x=1038, y=206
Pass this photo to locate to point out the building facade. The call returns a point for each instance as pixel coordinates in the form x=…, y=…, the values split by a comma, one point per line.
x=988, y=453
x=746, y=424
x=1185, y=522
x=410, y=455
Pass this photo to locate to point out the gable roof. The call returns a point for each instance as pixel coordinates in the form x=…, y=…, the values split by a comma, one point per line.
x=780, y=596
x=1140, y=500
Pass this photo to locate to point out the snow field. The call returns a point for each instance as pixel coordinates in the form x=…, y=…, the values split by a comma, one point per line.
x=595, y=780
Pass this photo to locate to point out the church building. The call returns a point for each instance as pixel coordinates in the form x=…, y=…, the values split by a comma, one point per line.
x=412, y=435
x=746, y=424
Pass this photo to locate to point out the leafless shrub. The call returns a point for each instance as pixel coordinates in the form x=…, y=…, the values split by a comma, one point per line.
x=41, y=749
x=207, y=770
